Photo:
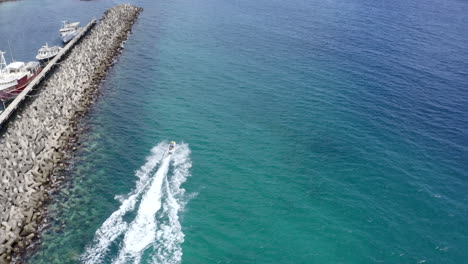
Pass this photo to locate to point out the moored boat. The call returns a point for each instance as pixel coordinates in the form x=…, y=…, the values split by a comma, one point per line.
x=15, y=76
x=46, y=53
x=69, y=31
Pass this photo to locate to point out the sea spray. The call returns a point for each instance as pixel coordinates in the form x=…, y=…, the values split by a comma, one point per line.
x=141, y=232
x=158, y=187
x=114, y=226
x=169, y=237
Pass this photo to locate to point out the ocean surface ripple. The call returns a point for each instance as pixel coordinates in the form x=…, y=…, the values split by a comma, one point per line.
x=319, y=132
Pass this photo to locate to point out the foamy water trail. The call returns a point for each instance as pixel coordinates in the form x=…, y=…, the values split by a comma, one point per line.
x=142, y=230
x=154, y=227
x=114, y=226
x=169, y=237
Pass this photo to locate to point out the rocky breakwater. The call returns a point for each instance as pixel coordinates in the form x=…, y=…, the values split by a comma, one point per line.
x=37, y=138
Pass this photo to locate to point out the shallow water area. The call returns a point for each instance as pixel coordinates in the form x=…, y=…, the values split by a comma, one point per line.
x=308, y=132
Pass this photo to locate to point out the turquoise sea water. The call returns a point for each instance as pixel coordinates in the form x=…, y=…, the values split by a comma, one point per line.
x=309, y=132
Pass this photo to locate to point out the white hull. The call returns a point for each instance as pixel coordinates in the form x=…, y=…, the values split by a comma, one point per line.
x=69, y=31
x=68, y=37
x=46, y=53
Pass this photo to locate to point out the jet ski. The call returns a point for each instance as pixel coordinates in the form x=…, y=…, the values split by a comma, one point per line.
x=171, y=147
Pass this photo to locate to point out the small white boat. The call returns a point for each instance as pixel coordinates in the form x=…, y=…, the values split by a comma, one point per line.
x=69, y=31
x=172, y=146
x=46, y=53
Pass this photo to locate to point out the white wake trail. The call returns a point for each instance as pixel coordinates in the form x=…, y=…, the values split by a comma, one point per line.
x=169, y=237
x=114, y=226
x=142, y=230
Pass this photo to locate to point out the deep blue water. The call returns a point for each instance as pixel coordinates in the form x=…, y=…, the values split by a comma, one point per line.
x=309, y=132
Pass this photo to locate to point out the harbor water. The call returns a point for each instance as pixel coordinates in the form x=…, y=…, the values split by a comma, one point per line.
x=307, y=132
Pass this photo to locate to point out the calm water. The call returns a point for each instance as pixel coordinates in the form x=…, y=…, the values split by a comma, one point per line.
x=309, y=132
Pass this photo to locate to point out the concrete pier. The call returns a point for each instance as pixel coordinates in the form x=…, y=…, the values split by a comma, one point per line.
x=5, y=114
x=36, y=137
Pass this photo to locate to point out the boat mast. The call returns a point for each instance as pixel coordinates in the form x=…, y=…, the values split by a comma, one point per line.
x=2, y=61
x=11, y=53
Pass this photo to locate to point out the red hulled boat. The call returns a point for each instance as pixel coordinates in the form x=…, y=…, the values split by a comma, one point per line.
x=15, y=76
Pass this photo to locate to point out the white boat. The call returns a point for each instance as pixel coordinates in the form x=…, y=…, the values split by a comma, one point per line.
x=46, y=53
x=69, y=31
x=15, y=76
x=172, y=146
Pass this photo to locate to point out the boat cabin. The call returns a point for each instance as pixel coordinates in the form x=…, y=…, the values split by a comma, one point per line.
x=14, y=67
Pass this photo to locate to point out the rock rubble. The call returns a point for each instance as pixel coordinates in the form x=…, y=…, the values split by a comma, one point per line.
x=36, y=139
